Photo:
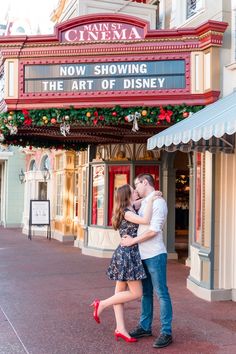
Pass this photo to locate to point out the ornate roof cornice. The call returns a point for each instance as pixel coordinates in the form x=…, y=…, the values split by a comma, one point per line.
x=59, y=44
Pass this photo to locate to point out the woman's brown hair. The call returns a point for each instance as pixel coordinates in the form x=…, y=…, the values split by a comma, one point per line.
x=122, y=201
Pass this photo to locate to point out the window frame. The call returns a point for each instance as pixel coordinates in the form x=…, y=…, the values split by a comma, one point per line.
x=59, y=196
x=200, y=5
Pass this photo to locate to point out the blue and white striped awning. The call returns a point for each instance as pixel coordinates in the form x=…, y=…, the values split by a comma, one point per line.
x=211, y=129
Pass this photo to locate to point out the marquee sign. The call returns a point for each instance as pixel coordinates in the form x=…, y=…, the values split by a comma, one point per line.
x=115, y=76
x=106, y=31
x=105, y=60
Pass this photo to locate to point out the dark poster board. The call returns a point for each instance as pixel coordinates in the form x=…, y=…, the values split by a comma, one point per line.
x=39, y=215
x=116, y=76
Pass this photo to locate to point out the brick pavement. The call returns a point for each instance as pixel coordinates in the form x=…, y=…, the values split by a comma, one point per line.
x=45, y=291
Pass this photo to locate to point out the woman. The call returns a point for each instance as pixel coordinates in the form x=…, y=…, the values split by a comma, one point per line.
x=126, y=265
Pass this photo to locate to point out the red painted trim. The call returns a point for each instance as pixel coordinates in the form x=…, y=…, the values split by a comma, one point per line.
x=119, y=18
x=189, y=31
x=109, y=95
x=211, y=25
x=125, y=101
x=107, y=58
x=100, y=18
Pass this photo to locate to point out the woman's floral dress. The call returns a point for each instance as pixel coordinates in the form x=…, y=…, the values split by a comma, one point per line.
x=126, y=262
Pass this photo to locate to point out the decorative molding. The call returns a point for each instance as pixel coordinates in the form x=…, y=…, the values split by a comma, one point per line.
x=203, y=197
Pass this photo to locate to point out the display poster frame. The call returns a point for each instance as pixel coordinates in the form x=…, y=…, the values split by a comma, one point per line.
x=39, y=215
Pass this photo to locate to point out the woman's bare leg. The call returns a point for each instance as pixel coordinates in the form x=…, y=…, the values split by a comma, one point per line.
x=133, y=292
x=119, y=309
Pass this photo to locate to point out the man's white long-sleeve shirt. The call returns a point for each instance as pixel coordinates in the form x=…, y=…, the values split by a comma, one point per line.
x=155, y=245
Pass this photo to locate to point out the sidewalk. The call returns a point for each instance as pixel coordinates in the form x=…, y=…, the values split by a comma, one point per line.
x=45, y=291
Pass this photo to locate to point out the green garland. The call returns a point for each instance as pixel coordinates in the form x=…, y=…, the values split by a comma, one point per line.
x=11, y=121
x=44, y=143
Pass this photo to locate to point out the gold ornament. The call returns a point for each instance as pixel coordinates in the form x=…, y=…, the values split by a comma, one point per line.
x=144, y=112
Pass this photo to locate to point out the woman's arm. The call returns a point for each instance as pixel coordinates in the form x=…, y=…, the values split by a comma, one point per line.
x=145, y=219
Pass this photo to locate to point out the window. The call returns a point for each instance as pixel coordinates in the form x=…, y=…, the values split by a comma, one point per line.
x=59, y=195
x=59, y=162
x=98, y=195
x=84, y=196
x=20, y=30
x=45, y=165
x=76, y=160
x=76, y=195
x=32, y=166
x=234, y=34
x=118, y=175
x=42, y=191
x=182, y=200
x=152, y=169
x=193, y=6
x=2, y=84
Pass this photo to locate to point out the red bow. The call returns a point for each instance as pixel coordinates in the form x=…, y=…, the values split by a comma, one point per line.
x=27, y=119
x=165, y=115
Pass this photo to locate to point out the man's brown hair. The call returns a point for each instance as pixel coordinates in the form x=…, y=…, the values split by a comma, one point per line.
x=142, y=176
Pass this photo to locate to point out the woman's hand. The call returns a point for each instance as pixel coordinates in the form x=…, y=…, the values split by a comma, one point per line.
x=156, y=195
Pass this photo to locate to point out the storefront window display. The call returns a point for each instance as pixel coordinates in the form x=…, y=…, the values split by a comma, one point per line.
x=98, y=195
x=118, y=175
x=152, y=169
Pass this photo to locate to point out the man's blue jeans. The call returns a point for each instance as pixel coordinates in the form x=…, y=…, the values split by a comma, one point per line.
x=155, y=268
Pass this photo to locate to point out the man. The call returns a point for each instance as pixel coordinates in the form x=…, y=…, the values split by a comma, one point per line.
x=154, y=258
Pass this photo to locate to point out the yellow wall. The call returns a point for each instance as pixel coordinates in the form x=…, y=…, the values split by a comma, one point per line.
x=225, y=223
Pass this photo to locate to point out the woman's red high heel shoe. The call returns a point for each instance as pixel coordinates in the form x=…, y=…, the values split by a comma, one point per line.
x=127, y=339
x=95, y=305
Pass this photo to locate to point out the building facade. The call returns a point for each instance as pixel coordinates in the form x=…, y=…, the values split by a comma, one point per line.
x=11, y=188
x=211, y=143
x=101, y=41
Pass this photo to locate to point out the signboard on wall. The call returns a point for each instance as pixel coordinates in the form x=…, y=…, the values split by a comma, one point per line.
x=39, y=215
x=108, y=76
x=102, y=31
x=39, y=212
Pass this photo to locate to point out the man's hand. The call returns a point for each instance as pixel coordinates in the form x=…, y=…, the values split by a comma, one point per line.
x=127, y=241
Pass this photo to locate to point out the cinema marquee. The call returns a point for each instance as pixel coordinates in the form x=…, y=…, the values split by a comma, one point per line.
x=108, y=60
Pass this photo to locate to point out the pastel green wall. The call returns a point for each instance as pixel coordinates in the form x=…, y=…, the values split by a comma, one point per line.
x=14, y=189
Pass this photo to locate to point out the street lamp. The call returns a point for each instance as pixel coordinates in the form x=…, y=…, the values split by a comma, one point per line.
x=22, y=176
